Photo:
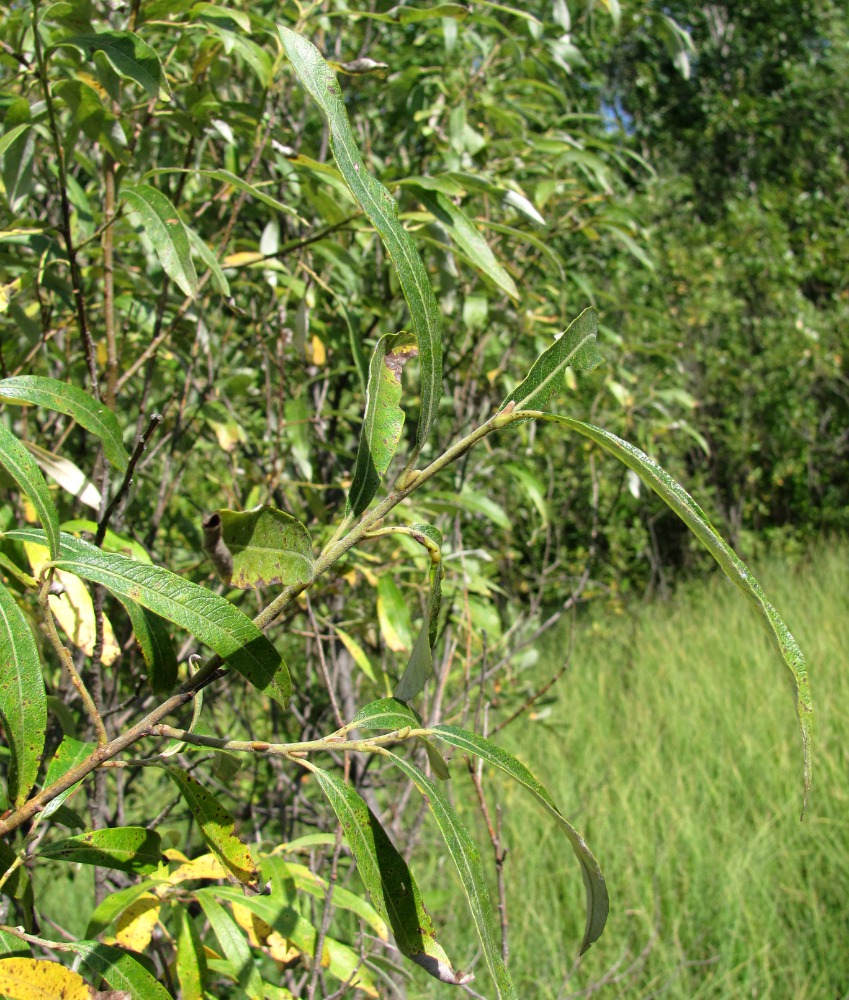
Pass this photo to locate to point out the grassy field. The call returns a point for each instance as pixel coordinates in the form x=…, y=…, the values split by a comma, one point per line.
x=673, y=747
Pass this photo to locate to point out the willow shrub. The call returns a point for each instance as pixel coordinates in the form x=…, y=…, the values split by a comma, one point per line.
x=233, y=913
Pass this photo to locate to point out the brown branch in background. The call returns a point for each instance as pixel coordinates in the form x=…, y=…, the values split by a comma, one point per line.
x=107, y=244
x=65, y=227
x=124, y=488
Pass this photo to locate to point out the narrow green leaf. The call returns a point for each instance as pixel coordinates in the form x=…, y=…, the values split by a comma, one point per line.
x=387, y=713
x=20, y=465
x=154, y=641
x=382, y=210
x=468, y=238
x=120, y=970
x=129, y=55
x=191, y=959
x=341, y=961
x=166, y=231
x=73, y=402
x=23, y=702
x=403, y=14
x=115, y=904
x=383, y=419
x=342, y=898
x=575, y=348
x=216, y=826
x=389, y=881
x=680, y=501
x=132, y=849
x=373, y=671
x=12, y=946
x=466, y=857
x=18, y=885
x=69, y=754
x=219, y=278
x=263, y=547
x=112, y=541
x=418, y=669
x=206, y=615
x=9, y=137
x=231, y=180
x=597, y=897
x=231, y=937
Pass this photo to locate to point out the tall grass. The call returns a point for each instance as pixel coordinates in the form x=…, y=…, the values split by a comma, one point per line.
x=672, y=745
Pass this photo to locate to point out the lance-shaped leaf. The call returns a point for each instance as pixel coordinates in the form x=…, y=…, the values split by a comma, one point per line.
x=233, y=944
x=386, y=713
x=344, y=899
x=191, y=958
x=37, y=978
x=23, y=702
x=467, y=238
x=597, y=897
x=466, y=857
x=69, y=476
x=263, y=547
x=420, y=667
x=20, y=465
x=69, y=754
x=389, y=881
x=341, y=961
x=680, y=501
x=216, y=826
x=383, y=419
x=166, y=232
x=73, y=402
x=234, y=181
x=575, y=348
x=18, y=885
x=129, y=55
x=402, y=14
x=209, y=617
x=132, y=849
x=382, y=210
x=120, y=970
x=154, y=641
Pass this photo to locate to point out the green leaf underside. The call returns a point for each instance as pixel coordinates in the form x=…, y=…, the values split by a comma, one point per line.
x=132, y=849
x=597, y=896
x=166, y=232
x=216, y=826
x=383, y=419
x=73, y=402
x=382, y=210
x=154, y=641
x=386, y=713
x=231, y=937
x=467, y=237
x=268, y=547
x=341, y=961
x=23, y=702
x=680, y=501
x=466, y=857
x=190, y=960
x=129, y=55
x=418, y=669
x=389, y=881
x=21, y=466
x=205, y=615
x=68, y=755
x=120, y=970
x=576, y=348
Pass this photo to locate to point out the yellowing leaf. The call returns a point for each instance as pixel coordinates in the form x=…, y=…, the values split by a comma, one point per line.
x=73, y=609
x=135, y=925
x=35, y=979
x=317, y=352
x=206, y=867
x=243, y=258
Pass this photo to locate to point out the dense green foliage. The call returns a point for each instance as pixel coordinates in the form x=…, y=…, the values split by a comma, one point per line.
x=252, y=302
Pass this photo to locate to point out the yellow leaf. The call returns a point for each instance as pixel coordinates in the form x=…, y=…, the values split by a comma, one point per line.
x=134, y=928
x=206, y=866
x=243, y=258
x=317, y=352
x=73, y=609
x=36, y=979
